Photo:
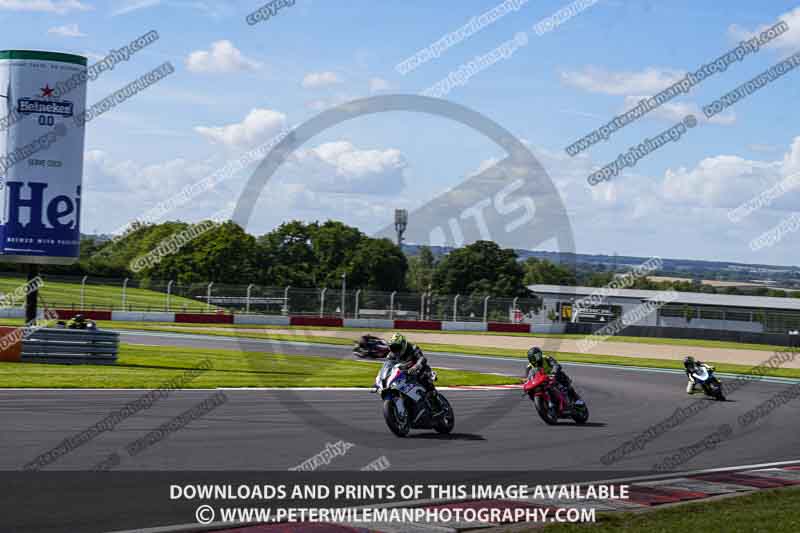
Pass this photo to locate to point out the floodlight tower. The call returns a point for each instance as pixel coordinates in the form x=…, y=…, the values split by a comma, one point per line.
x=400, y=224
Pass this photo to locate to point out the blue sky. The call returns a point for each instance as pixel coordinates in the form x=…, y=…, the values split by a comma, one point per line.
x=237, y=85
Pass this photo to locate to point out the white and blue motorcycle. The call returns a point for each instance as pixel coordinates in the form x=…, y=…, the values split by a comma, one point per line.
x=405, y=402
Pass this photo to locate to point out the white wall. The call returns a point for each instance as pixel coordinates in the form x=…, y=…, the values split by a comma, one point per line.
x=265, y=320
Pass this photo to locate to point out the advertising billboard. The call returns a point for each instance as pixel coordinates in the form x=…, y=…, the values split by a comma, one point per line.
x=41, y=155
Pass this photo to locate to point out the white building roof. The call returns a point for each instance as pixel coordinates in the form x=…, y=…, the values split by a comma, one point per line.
x=691, y=298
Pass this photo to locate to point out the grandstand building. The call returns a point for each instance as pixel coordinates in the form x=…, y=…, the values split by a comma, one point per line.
x=756, y=314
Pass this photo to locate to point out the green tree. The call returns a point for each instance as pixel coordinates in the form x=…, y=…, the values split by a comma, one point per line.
x=420, y=270
x=543, y=272
x=377, y=264
x=482, y=267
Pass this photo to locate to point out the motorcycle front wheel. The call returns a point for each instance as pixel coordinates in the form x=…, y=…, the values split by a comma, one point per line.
x=580, y=413
x=544, y=411
x=447, y=420
x=400, y=426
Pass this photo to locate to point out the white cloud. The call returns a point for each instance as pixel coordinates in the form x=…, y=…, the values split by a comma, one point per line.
x=378, y=84
x=763, y=147
x=676, y=111
x=258, y=125
x=598, y=80
x=787, y=42
x=128, y=6
x=223, y=57
x=68, y=30
x=315, y=80
x=341, y=167
x=60, y=7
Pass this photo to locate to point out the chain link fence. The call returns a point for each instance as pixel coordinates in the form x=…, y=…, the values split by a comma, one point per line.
x=95, y=293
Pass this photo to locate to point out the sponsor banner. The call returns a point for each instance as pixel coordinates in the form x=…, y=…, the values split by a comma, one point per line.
x=41, y=157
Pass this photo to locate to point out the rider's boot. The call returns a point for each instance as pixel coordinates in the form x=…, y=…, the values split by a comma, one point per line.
x=433, y=400
x=690, y=387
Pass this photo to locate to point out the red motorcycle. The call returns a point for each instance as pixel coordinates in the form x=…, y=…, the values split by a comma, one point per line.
x=552, y=401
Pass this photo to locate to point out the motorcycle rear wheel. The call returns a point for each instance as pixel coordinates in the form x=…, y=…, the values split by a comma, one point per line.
x=399, y=427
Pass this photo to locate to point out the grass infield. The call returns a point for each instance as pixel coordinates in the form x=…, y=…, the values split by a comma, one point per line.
x=144, y=367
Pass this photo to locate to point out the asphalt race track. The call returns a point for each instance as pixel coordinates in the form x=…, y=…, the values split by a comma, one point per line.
x=495, y=429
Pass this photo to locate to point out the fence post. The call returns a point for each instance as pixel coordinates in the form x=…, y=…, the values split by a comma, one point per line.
x=124, y=292
x=83, y=287
x=169, y=292
x=344, y=288
x=422, y=306
x=322, y=301
x=486, y=309
x=208, y=296
x=514, y=309
x=247, y=300
x=391, y=305
x=286, y=300
x=358, y=294
x=455, y=307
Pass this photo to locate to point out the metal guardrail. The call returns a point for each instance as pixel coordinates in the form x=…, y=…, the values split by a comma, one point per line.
x=71, y=346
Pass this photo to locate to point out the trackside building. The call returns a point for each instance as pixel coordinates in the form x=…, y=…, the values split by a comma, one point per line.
x=738, y=313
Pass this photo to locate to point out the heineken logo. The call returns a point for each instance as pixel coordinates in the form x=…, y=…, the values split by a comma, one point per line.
x=44, y=107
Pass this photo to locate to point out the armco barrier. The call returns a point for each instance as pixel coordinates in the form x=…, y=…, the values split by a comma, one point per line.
x=261, y=320
x=463, y=326
x=509, y=328
x=368, y=323
x=203, y=318
x=66, y=314
x=417, y=324
x=61, y=345
x=316, y=321
x=143, y=316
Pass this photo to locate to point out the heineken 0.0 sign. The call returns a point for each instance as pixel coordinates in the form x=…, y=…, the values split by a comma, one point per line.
x=41, y=155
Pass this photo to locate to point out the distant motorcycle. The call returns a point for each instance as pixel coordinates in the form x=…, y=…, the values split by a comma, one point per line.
x=552, y=401
x=374, y=347
x=405, y=403
x=704, y=376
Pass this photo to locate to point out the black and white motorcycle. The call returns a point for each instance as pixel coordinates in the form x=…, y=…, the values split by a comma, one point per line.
x=405, y=402
x=703, y=375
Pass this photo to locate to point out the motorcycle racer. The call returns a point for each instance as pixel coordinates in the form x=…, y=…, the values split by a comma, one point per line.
x=537, y=360
x=691, y=365
x=410, y=355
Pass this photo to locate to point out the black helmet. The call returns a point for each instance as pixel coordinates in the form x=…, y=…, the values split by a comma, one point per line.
x=78, y=317
x=535, y=357
x=688, y=361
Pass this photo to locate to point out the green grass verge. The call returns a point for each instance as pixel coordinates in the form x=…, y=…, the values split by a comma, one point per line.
x=65, y=295
x=151, y=366
x=769, y=511
x=566, y=357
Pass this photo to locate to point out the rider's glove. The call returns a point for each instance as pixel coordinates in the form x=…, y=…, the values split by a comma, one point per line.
x=413, y=370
